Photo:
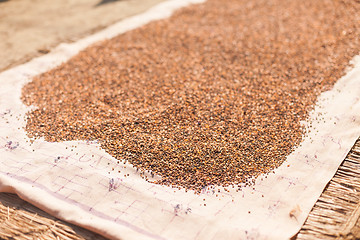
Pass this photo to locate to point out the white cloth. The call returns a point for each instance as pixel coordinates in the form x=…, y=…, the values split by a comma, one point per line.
x=74, y=184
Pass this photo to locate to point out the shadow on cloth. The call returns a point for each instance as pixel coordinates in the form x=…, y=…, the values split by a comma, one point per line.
x=102, y=2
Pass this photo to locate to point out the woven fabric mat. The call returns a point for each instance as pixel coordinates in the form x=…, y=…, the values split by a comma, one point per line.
x=334, y=216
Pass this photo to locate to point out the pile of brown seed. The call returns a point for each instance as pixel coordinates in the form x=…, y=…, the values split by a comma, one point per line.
x=212, y=96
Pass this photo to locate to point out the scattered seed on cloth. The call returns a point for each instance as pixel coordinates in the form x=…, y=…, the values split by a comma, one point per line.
x=214, y=95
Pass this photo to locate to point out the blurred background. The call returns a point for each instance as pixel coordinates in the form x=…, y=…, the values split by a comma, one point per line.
x=29, y=28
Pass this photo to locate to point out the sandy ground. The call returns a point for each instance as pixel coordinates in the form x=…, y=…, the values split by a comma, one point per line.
x=31, y=28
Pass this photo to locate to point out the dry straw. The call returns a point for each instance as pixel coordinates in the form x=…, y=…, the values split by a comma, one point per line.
x=21, y=220
x=336, y=214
